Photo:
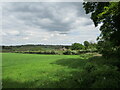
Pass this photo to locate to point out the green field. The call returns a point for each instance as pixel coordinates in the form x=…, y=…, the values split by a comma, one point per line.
x=56, y=71
x=27, y=70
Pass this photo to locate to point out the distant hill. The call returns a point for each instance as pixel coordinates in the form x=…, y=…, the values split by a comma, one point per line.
x=32, y=48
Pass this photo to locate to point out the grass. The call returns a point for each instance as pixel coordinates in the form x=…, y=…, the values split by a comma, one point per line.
x=57, y=71
x=28, y=70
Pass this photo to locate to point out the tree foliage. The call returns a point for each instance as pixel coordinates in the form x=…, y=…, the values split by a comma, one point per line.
x=86, y=44
x=77, y=46
x=108, y=14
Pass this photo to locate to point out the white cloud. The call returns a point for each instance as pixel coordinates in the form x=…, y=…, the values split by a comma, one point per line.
x=13, y=32
x=46, y=23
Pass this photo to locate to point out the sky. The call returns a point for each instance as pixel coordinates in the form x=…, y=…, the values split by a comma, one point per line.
x=49, y=23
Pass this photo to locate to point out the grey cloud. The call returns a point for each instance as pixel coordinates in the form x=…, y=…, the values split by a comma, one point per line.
x=48, y=23
x=63, y=33
x=32, y=13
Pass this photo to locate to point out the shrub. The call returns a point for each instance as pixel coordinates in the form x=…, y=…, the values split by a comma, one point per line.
x=53, y=52
x=68, y=52
x=74, y=52
x=39, y=52
x=77, y=46
x=103, y=76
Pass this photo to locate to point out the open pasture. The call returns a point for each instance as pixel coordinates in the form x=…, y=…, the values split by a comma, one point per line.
x=39, y=71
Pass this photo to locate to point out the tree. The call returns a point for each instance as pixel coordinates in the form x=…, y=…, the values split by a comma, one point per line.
x=77, y=46
x=86, y=44
x=106, y=13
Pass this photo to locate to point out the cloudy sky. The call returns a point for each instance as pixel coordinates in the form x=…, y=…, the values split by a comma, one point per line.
x=46, y=23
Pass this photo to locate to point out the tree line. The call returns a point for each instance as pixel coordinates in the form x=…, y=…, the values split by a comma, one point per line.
x=107, y=14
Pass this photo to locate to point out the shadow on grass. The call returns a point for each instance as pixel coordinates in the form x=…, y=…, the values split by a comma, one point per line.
x=78, y=63
x=78, y=79
x=71, y=81
x=66, y=82
x=9, y=83
x=71, y=62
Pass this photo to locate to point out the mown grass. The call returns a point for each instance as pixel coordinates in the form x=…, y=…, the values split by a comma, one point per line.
x=58, y=71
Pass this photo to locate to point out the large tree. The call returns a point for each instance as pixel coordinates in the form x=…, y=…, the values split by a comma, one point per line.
x=108, y=14
x=77, y=46
x=86, y=44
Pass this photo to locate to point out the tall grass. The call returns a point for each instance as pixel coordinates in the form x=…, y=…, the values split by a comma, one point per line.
x=59, y=71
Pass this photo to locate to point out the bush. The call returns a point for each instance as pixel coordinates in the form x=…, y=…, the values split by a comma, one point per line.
x=39, y=52
x=68, y=52
x=74, y=52
x=77, y=46
x=104, y=76
x=53, y=52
